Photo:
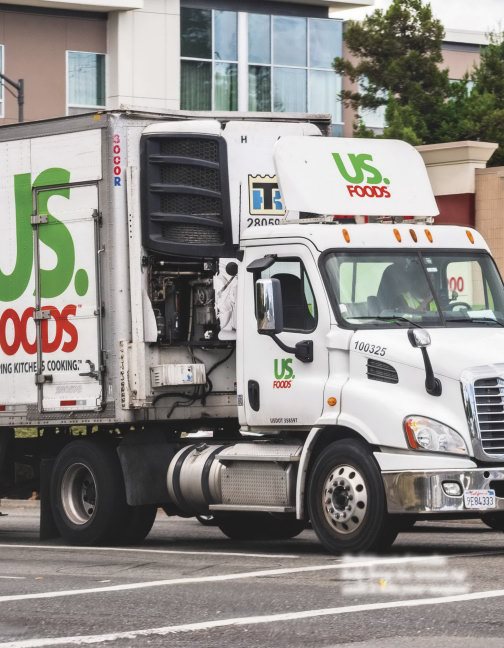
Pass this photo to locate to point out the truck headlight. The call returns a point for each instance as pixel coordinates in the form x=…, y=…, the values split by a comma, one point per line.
x=426, y=434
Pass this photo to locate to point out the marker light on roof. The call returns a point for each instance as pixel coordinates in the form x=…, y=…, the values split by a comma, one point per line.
x=428, y=234
x=397, y=234
x=346, y=236
x=470, y=236
x=413, y=235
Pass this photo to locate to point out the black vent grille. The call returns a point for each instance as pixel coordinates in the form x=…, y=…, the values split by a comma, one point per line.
x=489, y=397
x=377, y=370
x=197, y=148
x=192, y=234
x=189, y=204
x=185, y=196
x=190, y=176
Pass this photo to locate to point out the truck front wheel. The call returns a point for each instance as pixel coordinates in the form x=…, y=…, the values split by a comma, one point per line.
x=346, y=500
x=87, y=495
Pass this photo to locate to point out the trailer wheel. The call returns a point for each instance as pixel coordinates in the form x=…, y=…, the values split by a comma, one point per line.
x=139, y=522
x=259, y=526
x=346, y=500
x=87, y=495
x=494, y=520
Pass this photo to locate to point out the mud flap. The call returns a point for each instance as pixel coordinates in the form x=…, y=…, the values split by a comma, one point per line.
x=47, y=529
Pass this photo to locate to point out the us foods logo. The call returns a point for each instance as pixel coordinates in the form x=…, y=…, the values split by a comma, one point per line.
x=284, y=373
x=364, y=179
x=17, y=328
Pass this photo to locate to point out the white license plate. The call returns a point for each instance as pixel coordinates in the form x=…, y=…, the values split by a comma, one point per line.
x=480, y=499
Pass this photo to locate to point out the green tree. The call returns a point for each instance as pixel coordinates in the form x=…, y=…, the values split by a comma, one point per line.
x=396, y=62
x=475, y=110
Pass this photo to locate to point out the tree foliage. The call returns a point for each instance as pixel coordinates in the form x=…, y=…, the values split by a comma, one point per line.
x=475, y=110
x=396, y=62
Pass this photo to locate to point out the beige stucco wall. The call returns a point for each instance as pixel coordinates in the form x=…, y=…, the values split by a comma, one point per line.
x=144, y=56
x=459, y=63
x=490, y=210
x=35, y=50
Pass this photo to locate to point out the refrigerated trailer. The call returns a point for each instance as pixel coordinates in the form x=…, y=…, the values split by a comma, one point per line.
x=242, y=318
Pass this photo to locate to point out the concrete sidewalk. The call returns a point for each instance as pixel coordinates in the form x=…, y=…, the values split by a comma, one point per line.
x=6, y=504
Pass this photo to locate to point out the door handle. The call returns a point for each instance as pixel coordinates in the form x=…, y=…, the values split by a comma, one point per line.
x=92, y=373
x=253, y=395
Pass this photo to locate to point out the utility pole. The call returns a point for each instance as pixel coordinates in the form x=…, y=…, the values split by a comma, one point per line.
x=19, y=87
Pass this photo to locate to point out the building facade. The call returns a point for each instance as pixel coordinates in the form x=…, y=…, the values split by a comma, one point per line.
x=262, y=56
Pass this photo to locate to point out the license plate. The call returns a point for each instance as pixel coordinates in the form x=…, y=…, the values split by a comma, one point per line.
x=480, y=499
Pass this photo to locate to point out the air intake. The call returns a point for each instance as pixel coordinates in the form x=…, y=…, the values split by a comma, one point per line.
x=381, y=371
x=185, y=195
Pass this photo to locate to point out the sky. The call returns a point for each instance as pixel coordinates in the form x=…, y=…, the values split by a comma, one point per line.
x=480, y=15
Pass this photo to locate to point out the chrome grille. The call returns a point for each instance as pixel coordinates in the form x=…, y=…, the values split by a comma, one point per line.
x=489, y=401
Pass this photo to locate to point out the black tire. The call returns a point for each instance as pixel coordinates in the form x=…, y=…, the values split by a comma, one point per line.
x=139, y=522
x=259, y=526
x=494, y=520
x=346, y=500
x=87, y=494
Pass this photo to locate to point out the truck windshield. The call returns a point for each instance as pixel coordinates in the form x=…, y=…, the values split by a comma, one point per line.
x=425, y=288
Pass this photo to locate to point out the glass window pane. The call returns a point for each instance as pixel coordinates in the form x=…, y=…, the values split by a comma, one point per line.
x=289, y=90
x=86, y=79
x=196, y=85
x=325, y=42
x=196, y=32
x=298, y=301
x=259, y=38
x=324, y=90
x=226, y=86
x=226, y=43
x=259, y=88
x=289, y=41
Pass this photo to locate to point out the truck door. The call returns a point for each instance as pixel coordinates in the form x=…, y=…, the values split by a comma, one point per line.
x=67, y=303
x=278, y=388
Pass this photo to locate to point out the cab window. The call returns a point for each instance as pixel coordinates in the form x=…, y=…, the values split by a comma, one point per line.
x=298, y=300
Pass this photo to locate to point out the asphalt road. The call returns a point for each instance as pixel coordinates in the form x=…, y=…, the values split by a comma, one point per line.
x=187, y=585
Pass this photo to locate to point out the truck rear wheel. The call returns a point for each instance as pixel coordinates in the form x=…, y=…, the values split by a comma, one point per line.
x=87, y=495
x=259, y=526
x=346, y=500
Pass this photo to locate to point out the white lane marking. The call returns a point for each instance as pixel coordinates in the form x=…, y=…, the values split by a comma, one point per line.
x=13, y=577
x=252, y=620
x=155, y=551
x=217, y=578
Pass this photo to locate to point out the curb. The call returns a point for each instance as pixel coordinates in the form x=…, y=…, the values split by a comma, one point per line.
x=19, y=504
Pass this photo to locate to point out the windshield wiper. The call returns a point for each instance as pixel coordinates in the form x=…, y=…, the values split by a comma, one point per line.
x=388, y=318
x=476, y=320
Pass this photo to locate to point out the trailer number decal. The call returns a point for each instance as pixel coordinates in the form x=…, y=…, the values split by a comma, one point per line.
x=116, y=150
x=372, y=349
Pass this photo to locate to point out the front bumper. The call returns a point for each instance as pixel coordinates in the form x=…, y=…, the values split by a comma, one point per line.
x=421, y=491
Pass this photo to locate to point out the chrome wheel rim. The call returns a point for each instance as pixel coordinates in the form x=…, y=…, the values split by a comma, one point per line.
x=344, y=499
x=79, y=494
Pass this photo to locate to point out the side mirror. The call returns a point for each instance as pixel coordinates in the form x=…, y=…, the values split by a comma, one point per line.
x=269, y=310
x=419, y=338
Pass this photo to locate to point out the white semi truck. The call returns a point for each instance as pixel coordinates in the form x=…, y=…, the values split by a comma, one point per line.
x=283, y=294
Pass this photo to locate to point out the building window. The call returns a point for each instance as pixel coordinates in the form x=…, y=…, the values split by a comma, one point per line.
x=85, y=82
x=2, y=90
x=209, y=49
x=286, y=67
